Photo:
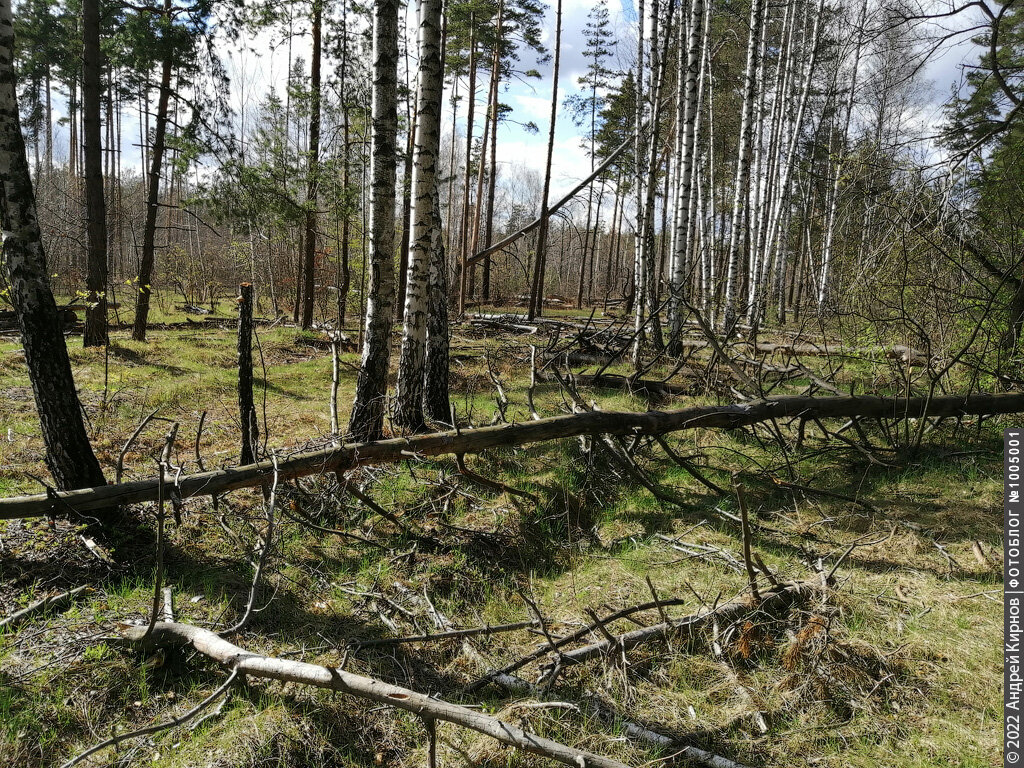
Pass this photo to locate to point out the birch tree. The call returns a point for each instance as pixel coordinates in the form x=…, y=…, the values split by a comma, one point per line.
x=424, y=236
x=69, y=455
x=738, y=226
x=685, y=149
x=367, y=421
x=844, y=138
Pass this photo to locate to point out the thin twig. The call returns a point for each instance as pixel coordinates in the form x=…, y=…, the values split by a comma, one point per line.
x=264, y=554
x=172, y=723
x=165, y=459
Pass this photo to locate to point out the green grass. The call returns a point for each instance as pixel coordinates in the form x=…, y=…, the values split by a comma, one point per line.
x=910, y=674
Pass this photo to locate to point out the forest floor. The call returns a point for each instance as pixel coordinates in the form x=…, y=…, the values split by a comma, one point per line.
x=897, y=664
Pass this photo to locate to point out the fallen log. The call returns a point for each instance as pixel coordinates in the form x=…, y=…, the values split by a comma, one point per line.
x=168, y=635
x=339, y=458
x=635, y=386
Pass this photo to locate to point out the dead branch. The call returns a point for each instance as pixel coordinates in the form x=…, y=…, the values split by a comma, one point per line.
x=571, y=638
x=243, y=662
x=343, y=457
x=486, y=630
x=268, y=543
x=594, y=706
x=745, y=528
x=165, y=461
x=54, y=601
x=119, y=469
x=172, y=723
x=774, y=599
x=486, y=482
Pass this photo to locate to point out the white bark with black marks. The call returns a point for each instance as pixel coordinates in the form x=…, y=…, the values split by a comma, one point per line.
x=367, y=420
x=426, y=148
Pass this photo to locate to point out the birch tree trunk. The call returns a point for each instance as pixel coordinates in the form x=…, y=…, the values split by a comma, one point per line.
x=737, y=229
x=435, y=393
x=774, y=224
x=69, y=456
x=685, y=160
x=367, y=420
x=826, y=253
x=423, y=237
x=95, y=334
x=470, y=115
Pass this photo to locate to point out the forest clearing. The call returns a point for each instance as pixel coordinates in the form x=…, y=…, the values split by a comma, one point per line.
x=485, y=382
x=898, y=661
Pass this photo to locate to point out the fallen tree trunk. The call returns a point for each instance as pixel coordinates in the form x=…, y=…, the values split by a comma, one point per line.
x=340, y=458
x=209, y=644
x=635, y=386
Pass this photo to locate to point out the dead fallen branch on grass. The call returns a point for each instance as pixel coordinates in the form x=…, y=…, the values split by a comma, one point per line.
x=486, y=630
x=593, y=705
x=466, y=441
x=772, y=600
x=243, y=662
x=650, y=388
x=54, y=601
x=571, y=638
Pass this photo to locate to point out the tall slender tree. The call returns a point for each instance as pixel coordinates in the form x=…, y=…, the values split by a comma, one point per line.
x=95, y=201
x=69, y=456
x=156, y=154
x=313, y=166
x=367, y=421
x=424, y=237
x=540, y=261
x=741, y=187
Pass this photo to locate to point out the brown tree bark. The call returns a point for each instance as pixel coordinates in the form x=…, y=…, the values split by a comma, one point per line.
x=95, y=334
x=69, y=456
x=537, y=295
x=246, y=405
x=145, y=288
x=467, y=441
x=313, y=181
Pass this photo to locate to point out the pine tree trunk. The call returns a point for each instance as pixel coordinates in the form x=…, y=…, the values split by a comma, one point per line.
x=639, y=153
x=423, y=238
x=492, y=178
x=145, y=287
x=69, y=457
x=313, y=182
x=367, y=422
x=246, y=404
x=470, y=114
x=537, y=301
x=95, y=334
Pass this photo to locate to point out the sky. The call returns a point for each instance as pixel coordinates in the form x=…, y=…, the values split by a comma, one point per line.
x=253, y=74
